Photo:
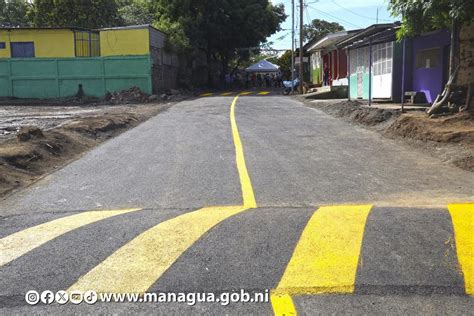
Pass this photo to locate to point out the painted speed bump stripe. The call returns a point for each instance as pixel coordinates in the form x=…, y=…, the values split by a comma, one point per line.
x=283, y=305
x=462, y=216
x=245, y=182
x=326, y=257
x=17, y=244
x=226, y=94
x=245, y=93
x=264, y=93
x=138, y=264
x=209, y=94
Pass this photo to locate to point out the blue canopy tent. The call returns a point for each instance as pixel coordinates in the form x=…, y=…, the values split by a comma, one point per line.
x=263, y=66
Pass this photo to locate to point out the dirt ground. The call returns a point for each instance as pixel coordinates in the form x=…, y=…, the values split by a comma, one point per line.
x=37, y=137
x=449, y=138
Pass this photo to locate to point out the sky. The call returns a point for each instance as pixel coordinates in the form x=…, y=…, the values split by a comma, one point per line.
x=352, y=14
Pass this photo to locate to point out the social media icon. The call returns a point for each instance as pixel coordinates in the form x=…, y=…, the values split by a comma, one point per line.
x=47, y=297
x=76, y=297
x=90, y=297
x=32, y=297
x=61, y=297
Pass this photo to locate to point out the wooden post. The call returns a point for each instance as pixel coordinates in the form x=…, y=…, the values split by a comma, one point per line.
x=403, y=74
x=370, y=71
x=301, y=46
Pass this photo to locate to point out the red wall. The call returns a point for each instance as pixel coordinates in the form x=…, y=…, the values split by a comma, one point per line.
x=337, y=63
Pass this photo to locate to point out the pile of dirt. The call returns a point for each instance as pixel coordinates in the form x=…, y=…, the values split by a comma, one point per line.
x=457, y=128
x=132, y=95
x=97, y=127
x=355, y=112
x=450, y=138
x=36, y=152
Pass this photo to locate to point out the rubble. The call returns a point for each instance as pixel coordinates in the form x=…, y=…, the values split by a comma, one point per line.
x=29, y=132
x=132, y=95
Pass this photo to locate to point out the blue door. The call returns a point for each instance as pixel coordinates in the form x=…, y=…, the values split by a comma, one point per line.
x=23, y=49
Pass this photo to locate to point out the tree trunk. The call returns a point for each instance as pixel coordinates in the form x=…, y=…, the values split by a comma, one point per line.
x=453, y=57
x=210, y=82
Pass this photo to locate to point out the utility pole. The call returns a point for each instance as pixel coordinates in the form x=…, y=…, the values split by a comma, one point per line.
x=292, y=44
x=301, y=46
x=377, y=17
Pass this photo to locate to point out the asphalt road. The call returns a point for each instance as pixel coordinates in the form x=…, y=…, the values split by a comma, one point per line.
x=345, y=221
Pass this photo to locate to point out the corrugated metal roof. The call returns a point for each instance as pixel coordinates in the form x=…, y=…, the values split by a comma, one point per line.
x=366, y=33
x=74, y=28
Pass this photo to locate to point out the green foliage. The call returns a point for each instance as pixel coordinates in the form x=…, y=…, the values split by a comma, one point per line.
x=14, y=13
x=426, y=15
x=84, y=13
x=135, y=12
x=284, y=61
x=320, y=28
x=220, y=27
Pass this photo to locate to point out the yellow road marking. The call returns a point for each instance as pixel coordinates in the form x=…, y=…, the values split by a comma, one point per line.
x=264, y=93
x=17, y=244
x=462, y=216
x=245, y=93
x=138, y=264
x=245, y=182
x=226, y=94
x=282, y=305
x=326, y=257
x=209, y=94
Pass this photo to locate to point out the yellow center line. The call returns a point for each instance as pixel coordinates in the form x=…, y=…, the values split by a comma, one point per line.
x=137, y=265
x=264, y=93
x=17, y=244
x=245, y=182
x=209, y=94
x=326, y=257
x=462, y=216
x=134, y=267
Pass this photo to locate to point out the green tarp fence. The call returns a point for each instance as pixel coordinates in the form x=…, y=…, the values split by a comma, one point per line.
x=61, y=77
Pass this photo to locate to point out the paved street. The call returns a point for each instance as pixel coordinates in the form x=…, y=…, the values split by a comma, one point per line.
x=259, y=193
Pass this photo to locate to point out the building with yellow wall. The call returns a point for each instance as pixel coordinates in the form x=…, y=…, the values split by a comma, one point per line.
x=48, y=42
x=122, y=41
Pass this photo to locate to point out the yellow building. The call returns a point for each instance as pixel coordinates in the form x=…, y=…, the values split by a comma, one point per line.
x=130, y=40
x=48, y=42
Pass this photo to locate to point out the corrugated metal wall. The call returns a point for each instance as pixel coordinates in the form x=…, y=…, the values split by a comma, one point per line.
x=60, y=77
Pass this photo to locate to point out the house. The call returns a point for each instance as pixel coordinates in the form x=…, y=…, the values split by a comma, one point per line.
x=58, y=61
x=430, y=55
x=48, y=42
x=324, y=52
x=375, y=63
x=381, y=68
x=143, y=40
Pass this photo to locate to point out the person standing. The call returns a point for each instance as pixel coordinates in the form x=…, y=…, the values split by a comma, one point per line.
x=326, y=75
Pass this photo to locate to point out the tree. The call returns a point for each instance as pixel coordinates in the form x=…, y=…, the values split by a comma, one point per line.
x=320, y=28
x=84, y=13
x=14, y=13
x=135, y=12
x=219, y=28
x=420, y=16
x=284, y=61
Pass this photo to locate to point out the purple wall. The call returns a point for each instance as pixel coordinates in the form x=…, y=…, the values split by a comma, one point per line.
x=430, y=80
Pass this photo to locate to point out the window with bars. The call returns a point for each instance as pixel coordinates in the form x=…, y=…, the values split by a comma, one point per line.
x=87, y=44
x=428, y=58
x=382, y=56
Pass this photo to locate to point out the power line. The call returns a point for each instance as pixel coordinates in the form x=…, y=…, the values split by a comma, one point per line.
x=334, y=17
x=311, y=21
x=355, y=13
